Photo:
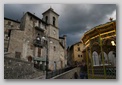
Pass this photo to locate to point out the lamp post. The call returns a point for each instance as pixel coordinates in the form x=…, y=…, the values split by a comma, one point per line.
x=43, y=39
x=43, y=42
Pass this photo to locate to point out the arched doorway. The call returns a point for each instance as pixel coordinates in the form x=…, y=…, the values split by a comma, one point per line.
x=29, y=58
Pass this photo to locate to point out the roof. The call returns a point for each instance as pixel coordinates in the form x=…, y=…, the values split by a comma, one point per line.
x=50, y=9
x=68, y=48
x=61, y=44
x=101, y=25
x=36, y=17
x=71, y=47
x=11, y=20
x=38, y=28
x=61, y=38
x=77, y=43
x=74, y=44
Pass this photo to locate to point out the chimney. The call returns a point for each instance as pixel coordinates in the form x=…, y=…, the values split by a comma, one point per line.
x=64, y=36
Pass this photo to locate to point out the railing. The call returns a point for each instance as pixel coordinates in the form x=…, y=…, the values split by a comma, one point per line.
x=51, y=74
x=37, y=43
x=39, y=28
x=110, y=72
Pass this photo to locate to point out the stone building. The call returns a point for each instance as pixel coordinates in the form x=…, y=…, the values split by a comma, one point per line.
x=9, y=25
x=75, y=55
x=69, y=56
x=38, y=40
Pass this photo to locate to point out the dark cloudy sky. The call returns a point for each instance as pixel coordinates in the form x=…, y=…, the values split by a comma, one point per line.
x=74, y=19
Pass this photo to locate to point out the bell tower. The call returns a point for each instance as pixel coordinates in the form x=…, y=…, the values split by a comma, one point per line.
x=51, y=17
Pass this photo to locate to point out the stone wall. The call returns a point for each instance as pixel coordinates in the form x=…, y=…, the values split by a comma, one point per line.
x=69, y=74
x=16, y=42
x=18, y=69
x=11, y=24
x=8, y=26
x=53, y=54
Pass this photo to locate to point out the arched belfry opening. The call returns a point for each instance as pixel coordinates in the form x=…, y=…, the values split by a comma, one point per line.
x=54, y=21
x=51, y=17
x=46, y=18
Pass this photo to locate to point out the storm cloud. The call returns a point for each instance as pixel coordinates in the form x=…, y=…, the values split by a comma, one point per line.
x=74, y=19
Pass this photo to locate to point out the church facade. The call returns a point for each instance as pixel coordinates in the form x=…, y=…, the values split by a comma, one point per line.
x=37, y=40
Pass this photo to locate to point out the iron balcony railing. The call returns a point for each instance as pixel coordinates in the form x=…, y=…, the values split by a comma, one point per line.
x=37, y=43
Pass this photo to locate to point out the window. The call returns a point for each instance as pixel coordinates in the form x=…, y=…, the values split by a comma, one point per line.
x=9, y=33
x=30, y=18
x=54, y=32
x=46, y=18
x=9, y=23
x=78, y=48
x=54, y=21
x=30, y=58
x=39, y=52
x=12, y=25
x=78, y=55
x=17, y=54
x=54, y=48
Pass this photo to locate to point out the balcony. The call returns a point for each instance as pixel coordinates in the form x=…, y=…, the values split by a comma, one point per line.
x=39, y=28
x=37, y=43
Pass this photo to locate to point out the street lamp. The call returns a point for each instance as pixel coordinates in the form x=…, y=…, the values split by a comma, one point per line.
x=37, y=41
x=43, y=39
x=114, y=44
x=46, y=46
